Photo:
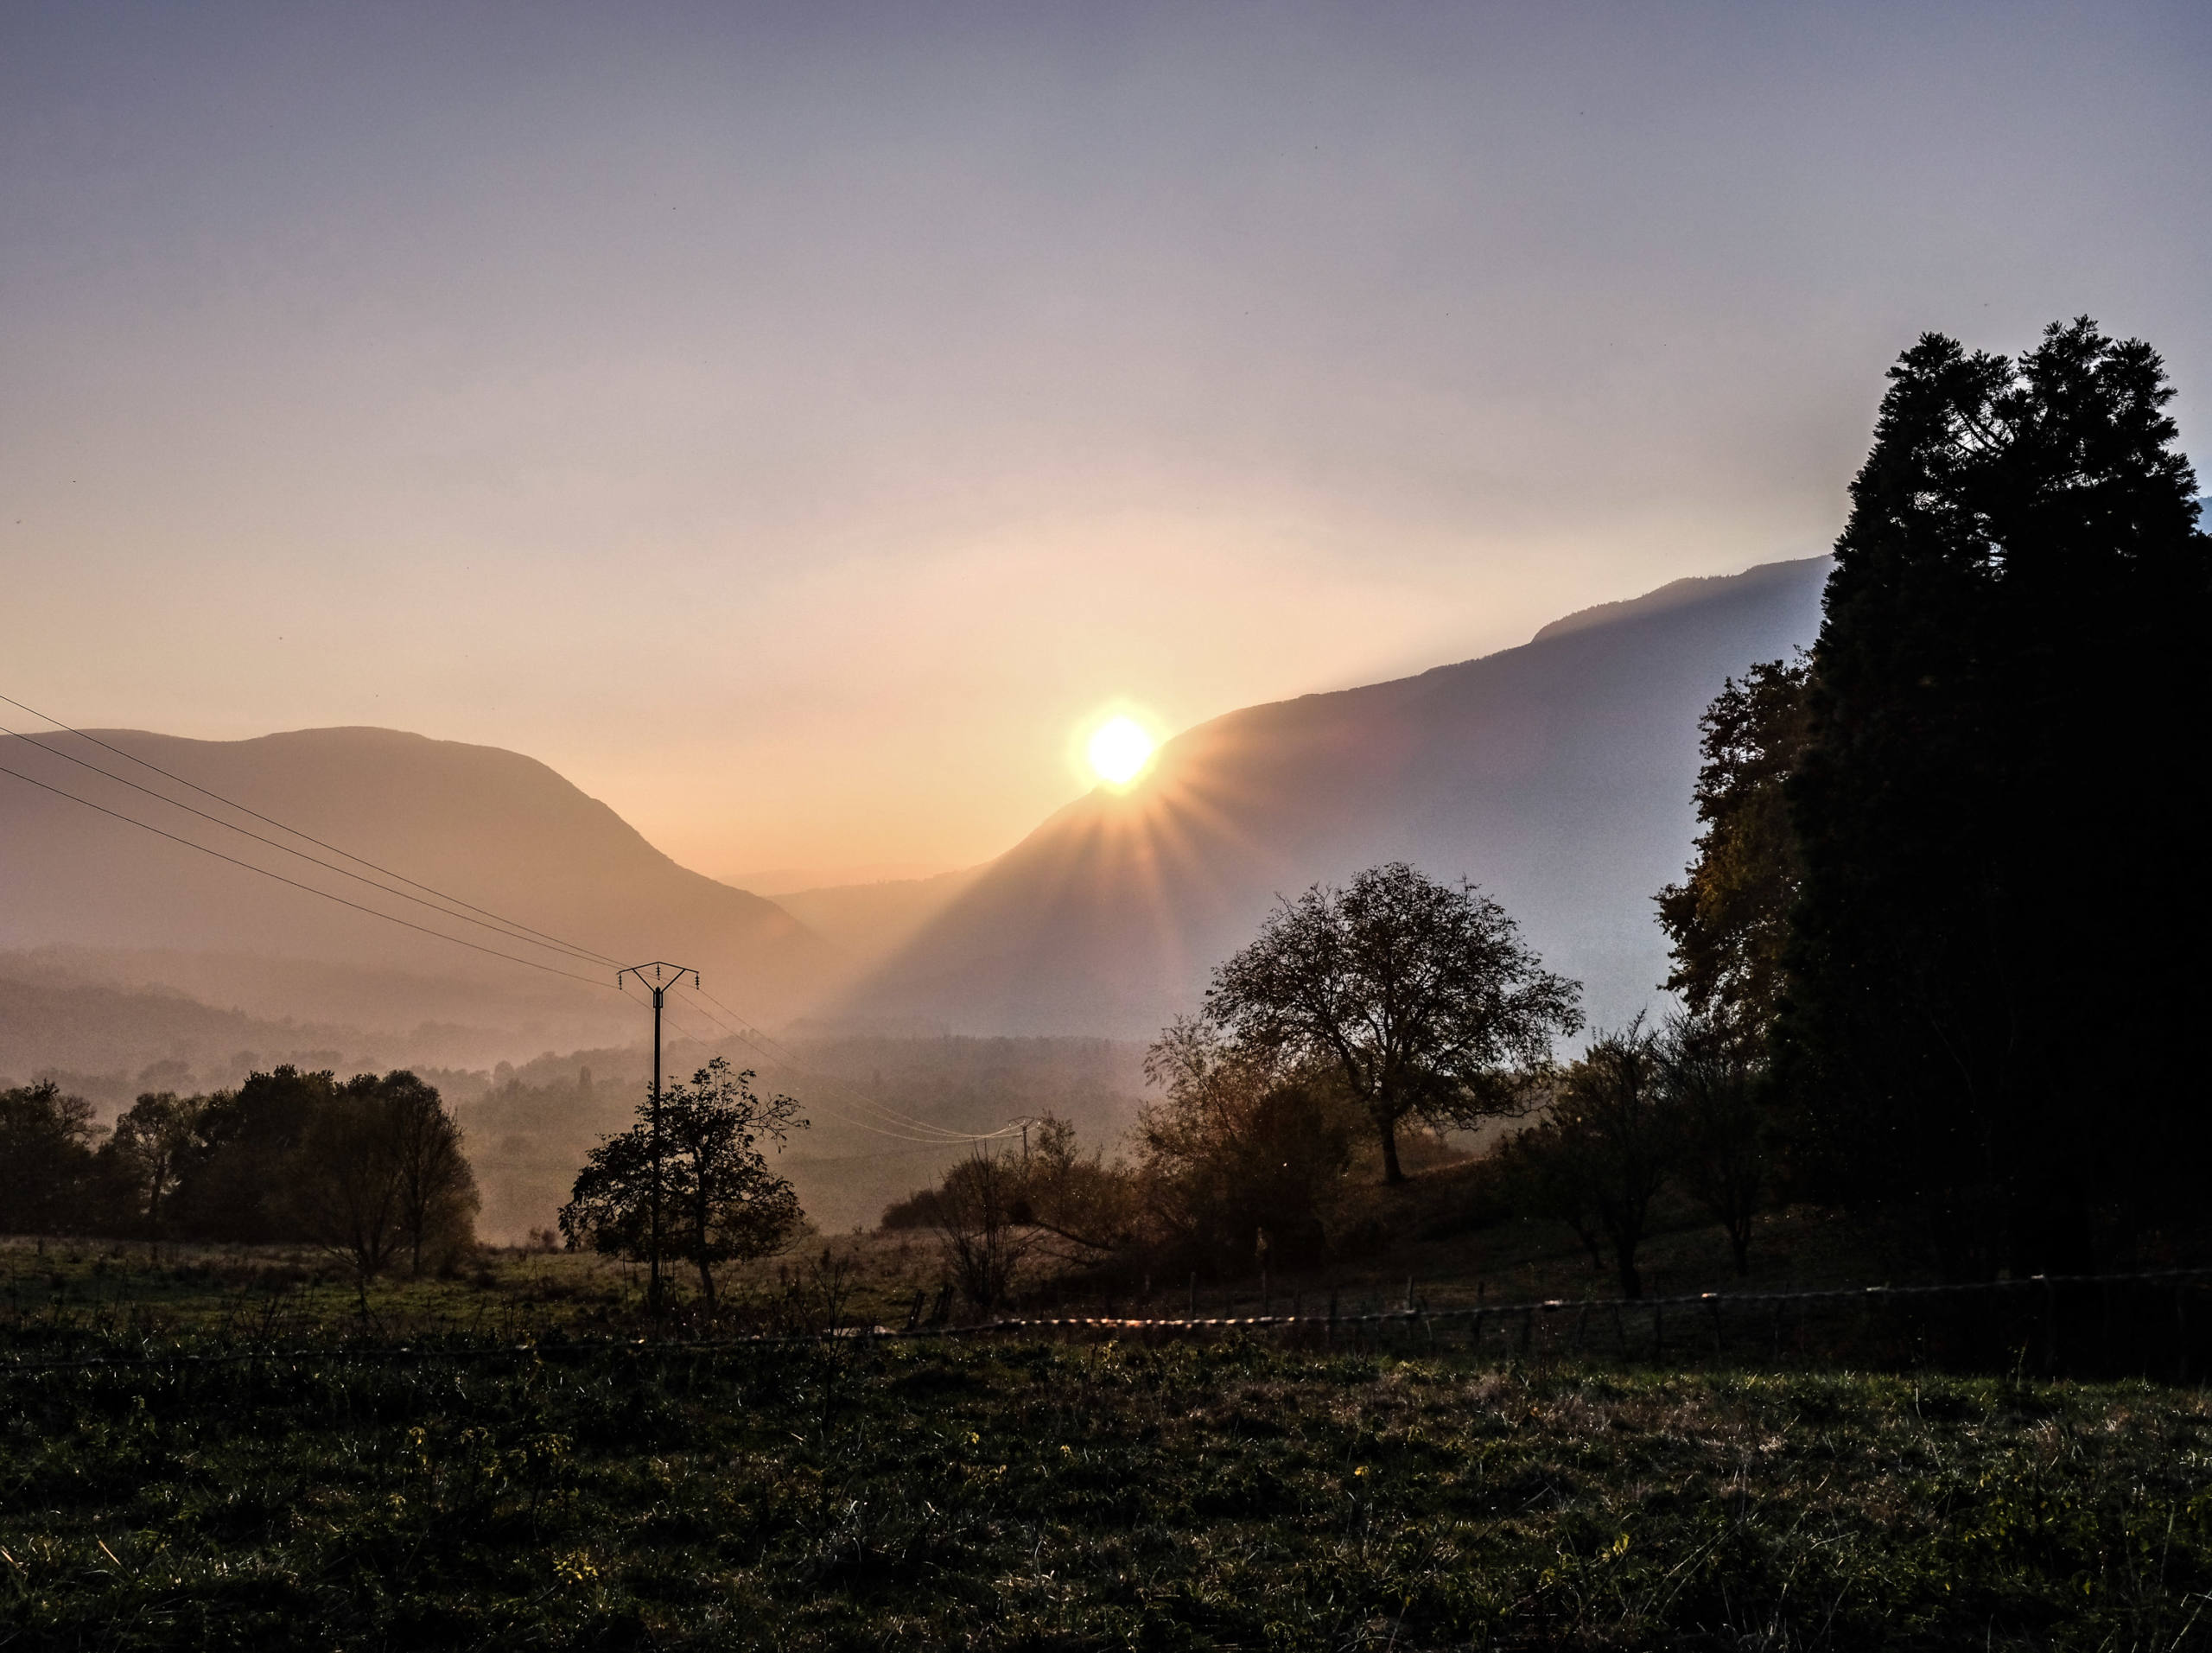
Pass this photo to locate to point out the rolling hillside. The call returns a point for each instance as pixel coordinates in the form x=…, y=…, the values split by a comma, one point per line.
x=492, y=828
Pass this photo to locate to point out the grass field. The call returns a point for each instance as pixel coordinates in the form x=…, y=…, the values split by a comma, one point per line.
x=1036, y=1495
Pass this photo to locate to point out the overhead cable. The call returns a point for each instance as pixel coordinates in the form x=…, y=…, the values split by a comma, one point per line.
x=280, y=826
x=498, y=926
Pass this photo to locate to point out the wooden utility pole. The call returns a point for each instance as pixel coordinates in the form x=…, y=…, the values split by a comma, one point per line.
x=664, y=977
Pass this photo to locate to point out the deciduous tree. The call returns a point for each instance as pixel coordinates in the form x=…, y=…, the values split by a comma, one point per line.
x=151, y=1147
x=46, y=1159
x=719, y=1199
x=1420, y=997
x=1609, y=1142
x=1723, y=1159
x=1239, y=1144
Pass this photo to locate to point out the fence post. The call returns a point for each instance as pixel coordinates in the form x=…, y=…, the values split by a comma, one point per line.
x=1332, y=1317
x=2050, y=1325
x=1658, y=1331
x=1712, y=1303
x=1194, y=1294
x=1580, y=1319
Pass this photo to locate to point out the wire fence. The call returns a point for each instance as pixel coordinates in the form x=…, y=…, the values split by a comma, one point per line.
x=2146, y=1323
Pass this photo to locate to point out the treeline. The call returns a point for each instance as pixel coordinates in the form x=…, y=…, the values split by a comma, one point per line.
x=1937, y=953
x=371, y=1168
x=1948, y=899
x=1255, y=1152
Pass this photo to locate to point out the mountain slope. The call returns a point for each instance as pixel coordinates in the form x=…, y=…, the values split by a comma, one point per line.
x=494, y=827
x=870, y=921
x=1556, y=775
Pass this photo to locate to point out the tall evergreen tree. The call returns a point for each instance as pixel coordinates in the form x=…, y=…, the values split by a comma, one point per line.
x=1997, y=942
x=1728, y=920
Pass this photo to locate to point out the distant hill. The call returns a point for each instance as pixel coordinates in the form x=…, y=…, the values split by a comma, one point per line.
x=1556, y=775
x=109, y=1044
x=494, y=827
x=870, y=921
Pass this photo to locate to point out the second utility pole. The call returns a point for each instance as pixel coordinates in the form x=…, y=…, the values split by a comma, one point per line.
x=674, y=974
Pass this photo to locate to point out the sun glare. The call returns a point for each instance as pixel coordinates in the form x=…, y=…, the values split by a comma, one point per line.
x=1118, y=750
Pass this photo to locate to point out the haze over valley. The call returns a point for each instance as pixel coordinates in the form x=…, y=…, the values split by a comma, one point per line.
x=1555, y=775
x=1104, y=824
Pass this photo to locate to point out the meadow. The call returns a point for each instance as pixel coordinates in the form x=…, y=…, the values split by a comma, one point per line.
x=481, y=1488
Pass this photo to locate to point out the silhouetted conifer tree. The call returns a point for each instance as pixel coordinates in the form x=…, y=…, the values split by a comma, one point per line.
x=2000, y=940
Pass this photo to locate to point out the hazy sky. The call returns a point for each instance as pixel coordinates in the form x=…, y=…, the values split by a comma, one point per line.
x=791, y=422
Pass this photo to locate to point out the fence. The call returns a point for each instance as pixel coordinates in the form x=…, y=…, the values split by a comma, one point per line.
x=2085, y=1325
x=2146, y=1324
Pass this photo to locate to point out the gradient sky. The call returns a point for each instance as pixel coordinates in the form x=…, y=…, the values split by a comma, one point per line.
x=791, y=422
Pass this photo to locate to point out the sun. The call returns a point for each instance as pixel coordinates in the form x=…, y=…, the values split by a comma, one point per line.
x=1119, y=749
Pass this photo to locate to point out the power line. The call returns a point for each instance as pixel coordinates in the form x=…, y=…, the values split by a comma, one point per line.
x=404, y=924
x=280, y=826
x=910, y=1128
x=521, y=933
x=703, y=1039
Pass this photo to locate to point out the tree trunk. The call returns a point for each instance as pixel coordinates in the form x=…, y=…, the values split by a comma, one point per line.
x=1391, y=1174
x=1631, y=1281
x=1741, y=1244
x=699, y=1225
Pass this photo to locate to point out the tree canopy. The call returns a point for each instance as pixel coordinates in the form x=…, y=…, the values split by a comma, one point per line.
x=1998, y=932
x=719, y=1199
x=1418, y=996
x=1728, y=920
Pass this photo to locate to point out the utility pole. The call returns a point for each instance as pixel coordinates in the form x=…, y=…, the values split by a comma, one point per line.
x=664, y=977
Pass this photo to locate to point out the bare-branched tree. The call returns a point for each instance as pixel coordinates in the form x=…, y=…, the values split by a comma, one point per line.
x=1610, y=1138
x=984, y=1220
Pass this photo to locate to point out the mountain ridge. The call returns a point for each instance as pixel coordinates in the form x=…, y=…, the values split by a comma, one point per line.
x=1555, y=773
x=496, y=829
